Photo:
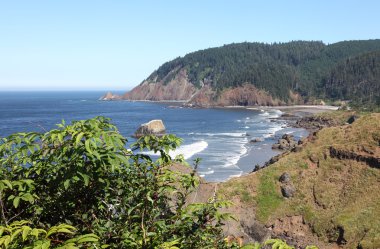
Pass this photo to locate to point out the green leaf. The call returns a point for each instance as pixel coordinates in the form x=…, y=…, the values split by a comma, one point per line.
x=88, y=238
x=78, y=138
x=8, y=183
x=27, y=197
x=66, y=184
x=16, y=201
x=25, y=232
x=87, y=145
x=85, y=177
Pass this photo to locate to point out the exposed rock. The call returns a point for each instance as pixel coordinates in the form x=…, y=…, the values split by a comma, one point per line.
x=110, y=96
x=256, y=140
x=153, y=127
x=256, y=168
x=175, y=86
x=352, y=119
x=315, y=122
x=370, y=160
x=288, y=190
x=255, y=230
x=286, y=142
x=288, y=137
x=285, y=178
x=276, y=146
x=283, y=144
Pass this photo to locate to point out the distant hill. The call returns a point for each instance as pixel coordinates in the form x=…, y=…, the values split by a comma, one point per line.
x=268, y=74
x=356, y=79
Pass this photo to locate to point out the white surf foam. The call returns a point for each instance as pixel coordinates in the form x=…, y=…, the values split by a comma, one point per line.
x=206, y=172
x=231, y=159
x=264, y=114
x=237, y=175
x=272, y=131
x=187, y=151
x=223, y=134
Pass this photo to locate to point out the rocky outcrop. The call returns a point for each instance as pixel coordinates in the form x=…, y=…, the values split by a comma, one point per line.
x=153, y=127
x=245, y=95
x=287, y=188
x=285, y=178
x=286, y=142
x=176, y=89
x=256, y=140
x=370, y=160
x=110, y=96
x=316, y=122
x=352, y=119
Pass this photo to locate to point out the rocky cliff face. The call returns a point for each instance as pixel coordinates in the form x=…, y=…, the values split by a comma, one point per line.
x=246, y=95
x=177, y=89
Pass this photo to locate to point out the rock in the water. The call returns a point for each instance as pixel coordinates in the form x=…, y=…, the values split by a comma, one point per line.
x=288, y=190
x=275, y=146
x=285, y=177
x=110, y=96
x=288, y=137
x=256, y=140
x=153, y=127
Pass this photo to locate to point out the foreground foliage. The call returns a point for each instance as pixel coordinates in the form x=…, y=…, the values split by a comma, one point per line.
x=84, y=176
x=20, y=235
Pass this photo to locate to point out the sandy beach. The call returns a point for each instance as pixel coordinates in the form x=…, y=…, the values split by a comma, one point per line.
x=292, y=109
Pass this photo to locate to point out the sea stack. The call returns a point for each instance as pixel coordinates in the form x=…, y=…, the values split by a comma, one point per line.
x=110, y=96
x=153, y=127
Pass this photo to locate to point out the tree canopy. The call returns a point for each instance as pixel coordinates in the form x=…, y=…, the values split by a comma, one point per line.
x=278, y=68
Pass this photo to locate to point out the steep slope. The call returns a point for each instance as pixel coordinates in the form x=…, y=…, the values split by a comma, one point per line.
x=356, y=79
x=336, y=182
x=279, y=73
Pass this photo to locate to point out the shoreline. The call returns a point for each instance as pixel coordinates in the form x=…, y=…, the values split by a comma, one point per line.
x=263, y=154
x=289, y=108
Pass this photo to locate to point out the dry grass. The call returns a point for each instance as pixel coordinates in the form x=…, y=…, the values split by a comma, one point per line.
x=332, y=194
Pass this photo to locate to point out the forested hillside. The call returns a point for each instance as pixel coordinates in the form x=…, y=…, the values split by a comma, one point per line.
x=357, y=79
x=308, y=69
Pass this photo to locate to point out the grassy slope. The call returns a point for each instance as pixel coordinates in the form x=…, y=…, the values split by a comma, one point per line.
x=332, y=195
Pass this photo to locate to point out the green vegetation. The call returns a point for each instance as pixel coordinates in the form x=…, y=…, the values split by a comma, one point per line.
x=83, y=176
x=356, y=79
x=346, y=70
x=268, y=199
x=20, y=234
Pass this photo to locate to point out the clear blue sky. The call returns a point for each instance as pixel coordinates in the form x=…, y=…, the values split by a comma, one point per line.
x=110, y=44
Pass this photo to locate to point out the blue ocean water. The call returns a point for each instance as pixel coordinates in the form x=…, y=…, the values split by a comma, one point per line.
x=219, y=136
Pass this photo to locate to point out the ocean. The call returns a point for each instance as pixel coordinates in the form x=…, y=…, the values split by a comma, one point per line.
x=220, y=137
